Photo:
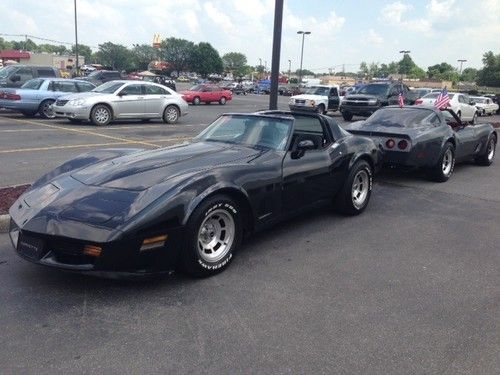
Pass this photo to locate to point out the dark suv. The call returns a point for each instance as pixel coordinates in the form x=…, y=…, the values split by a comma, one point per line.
x=98, y=77
x=18, y=75
x=371, y=97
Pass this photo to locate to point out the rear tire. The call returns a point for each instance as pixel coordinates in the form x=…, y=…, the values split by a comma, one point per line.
x=45, y=109
x=487, y=158
x=213, y=234
x=356, y=192
x=196, y=101
x=222, y=101
x=347, y=115
x=100, y=115
x=443, y=170
x=171, y=114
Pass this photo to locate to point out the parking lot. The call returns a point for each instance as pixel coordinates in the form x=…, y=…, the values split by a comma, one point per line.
x=410, y=286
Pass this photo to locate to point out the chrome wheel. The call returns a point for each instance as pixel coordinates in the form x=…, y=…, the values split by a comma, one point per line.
x=447, y=164
x=171, y=114
x=222, y=101
x=46, y=109
x=216, y=235
x=360, y=188
x=102, y=115
x=491, y=149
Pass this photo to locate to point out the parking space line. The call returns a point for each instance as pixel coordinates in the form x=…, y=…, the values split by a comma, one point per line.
x=26, y=130
x=87, y=132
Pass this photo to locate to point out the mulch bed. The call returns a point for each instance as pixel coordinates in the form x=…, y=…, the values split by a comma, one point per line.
x=9, y=195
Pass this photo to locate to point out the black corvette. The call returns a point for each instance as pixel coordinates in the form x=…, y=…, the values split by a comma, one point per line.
x=132, y=211
x=425, y=137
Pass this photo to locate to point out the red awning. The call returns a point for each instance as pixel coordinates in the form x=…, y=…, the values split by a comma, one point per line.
x=14, y=55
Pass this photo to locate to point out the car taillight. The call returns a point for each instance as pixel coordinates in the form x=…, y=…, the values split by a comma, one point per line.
x=12, y=96
x=402, y=144
x=390, y=143
x=419, y=101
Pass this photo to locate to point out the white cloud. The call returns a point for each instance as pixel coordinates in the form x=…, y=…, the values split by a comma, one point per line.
x=441, y=10
x=393, y=13
x=374, y=38
x=218, y=17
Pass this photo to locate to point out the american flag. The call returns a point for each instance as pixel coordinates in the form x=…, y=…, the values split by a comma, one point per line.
x=401, y=100
x=443, y=100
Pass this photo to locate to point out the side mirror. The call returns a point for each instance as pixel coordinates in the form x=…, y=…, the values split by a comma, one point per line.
x=15, y=78
x=122, y=93
x=301, y=148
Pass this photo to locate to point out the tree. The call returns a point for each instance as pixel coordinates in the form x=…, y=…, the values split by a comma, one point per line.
x=490, y=74
x=142, y=55
x=469, y=75
x=116, y=56
x=406, y=65
x=443, y=71
x=50, y=48
x=5, y=45
x=84, y=51
x=363, y=68
x=207, y=60
x=417, y=72
x=235, y=62
x=178, y=53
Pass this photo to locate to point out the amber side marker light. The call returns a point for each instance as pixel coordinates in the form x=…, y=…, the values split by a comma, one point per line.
x=153, y=242
x=92, y=250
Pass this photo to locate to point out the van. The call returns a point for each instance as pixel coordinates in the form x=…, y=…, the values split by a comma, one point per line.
x=17, y=75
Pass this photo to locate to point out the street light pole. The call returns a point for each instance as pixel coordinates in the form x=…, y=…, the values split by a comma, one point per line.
x=289, y=69
x=461, y=61
x=76, y=41
x=404, y=52
x=304, y=33
x=275, y=62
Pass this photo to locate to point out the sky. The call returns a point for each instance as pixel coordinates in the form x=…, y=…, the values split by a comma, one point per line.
x=343, y=33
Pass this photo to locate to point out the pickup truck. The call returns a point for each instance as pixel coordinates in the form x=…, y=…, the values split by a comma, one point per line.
x=320, y=98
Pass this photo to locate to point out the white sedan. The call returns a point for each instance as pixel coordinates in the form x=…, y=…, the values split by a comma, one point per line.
x=459, y=103
x=122, y=100
x=484, y=105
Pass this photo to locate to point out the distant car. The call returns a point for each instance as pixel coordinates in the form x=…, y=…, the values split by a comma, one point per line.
x=122, y=100
x=99, y=77
x=38, y=95
x=484, y=105
x=183, y=79
x=17, y=75
x=161, y=80
x=206, y=93
x=127, y=211
x=320, y=98
x=418, y=93
x=459, y=103
x=425, y=137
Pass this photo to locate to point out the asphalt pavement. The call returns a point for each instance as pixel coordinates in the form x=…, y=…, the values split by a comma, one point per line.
x=409, y=286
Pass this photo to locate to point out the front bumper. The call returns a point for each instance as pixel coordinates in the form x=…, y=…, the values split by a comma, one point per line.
x=361, y=110
x=73, y=112
x=121, y=258
x=303, y=108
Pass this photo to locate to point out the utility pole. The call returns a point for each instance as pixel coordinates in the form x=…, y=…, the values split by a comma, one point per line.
x=275, y=63
x=289, y=69
x=76, y=42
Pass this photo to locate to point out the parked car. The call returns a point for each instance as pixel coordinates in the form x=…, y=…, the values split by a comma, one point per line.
x=38, y=95
x=321, y=99
x=161, y=80
x=206, y=93
x=122, y=100
x=132, y=211
x=422, y=91
x=17, y=75
x=484, y=105
x=426, y=137
x=373, y=96
x=460, y=103
x=99, y=77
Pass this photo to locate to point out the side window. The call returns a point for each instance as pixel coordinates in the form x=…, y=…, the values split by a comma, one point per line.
x=306, y=126
x=434, y=120
x=155, y=90
x=84, y=86
x=25, y=74
x=132, y=90
x=46, y=72
x=65, y=86
x=394, y=91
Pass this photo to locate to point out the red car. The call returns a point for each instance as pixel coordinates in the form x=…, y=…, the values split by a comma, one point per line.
x=206, y=93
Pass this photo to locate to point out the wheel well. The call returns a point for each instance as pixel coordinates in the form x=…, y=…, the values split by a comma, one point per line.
x=172, y=105
x=45, y=100
x=369, y=160
x=244, y=204
x=452, y=141
x=104, y=104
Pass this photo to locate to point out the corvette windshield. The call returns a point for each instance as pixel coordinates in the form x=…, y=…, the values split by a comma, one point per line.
x=253, y=131
x=374, y=90
x=401, y=118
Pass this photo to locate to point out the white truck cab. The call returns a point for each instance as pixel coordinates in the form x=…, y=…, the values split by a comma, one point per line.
x=318, y=98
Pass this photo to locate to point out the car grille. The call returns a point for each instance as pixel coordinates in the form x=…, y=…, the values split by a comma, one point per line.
x=66, y=247
x=357, y=102
x=300, y=101
x=61, y=102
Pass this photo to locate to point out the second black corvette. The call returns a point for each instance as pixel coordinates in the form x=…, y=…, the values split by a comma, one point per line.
x=134, y=211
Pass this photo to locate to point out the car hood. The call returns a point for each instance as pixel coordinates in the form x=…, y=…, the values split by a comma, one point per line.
x=82, y=95
x=140, y=171
x=308, y=97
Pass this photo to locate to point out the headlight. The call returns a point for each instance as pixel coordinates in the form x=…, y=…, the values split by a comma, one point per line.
x=372, y=101
x=291, y=101
x=77, y=102
x=312, y=102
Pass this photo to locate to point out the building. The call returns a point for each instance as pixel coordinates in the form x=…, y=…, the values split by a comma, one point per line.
x=46, y=59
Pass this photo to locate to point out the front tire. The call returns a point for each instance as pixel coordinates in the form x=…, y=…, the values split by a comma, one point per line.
x=45, y=110
x=356, y=192
x=196, y=101
x=222, y=101
x=488, y=156
x=321, y=109
x=213, y=232
x=443, y=170
x=100, y=115
x=171, y=114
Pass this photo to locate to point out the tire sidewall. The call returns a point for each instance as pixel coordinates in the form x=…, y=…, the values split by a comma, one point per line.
x=193, y=262
x=165, y=117
x=42, y=105
x=196, y=101
x=222, y=101
x=439, y=167
x=92, y=114
x=361, y=165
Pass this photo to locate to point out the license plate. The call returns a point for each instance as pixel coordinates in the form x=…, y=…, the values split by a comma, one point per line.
x=30, y=247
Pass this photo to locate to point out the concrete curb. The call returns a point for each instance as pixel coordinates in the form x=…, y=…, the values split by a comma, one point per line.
x=4, y=223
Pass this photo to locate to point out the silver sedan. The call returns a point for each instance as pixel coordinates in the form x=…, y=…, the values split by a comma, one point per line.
x=122, y=100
